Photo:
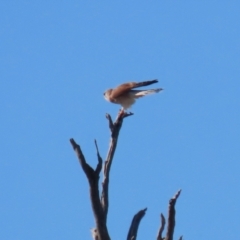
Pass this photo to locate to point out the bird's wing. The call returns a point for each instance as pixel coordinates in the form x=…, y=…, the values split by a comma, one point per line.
x=126, y=87
x=142, y=93
x=122, y=89
x=145, y=83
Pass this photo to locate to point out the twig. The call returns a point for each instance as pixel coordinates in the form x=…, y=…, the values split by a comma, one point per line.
x=86, y=168
x=171, y=216
x=161, y=229
x=132, y=233
x=110, y=121
x=99, y=165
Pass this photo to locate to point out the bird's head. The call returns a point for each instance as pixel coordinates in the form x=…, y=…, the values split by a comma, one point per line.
x=107, y=93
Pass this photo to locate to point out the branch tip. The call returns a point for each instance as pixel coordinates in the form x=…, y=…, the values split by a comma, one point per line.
x=132, y=233
x=175, y=197
x=95, y=141
x=99, y=165
x=161, y=229
x=110, y=122
x=171, y=216
x=122, y=114
x=74, y=144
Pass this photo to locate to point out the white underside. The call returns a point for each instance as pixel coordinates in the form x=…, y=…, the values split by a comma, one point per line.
x=128, y=100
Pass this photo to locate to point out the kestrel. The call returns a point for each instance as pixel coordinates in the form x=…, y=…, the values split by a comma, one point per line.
x=126, y=96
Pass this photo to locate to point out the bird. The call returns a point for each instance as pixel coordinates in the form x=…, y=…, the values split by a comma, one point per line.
x=126, y=96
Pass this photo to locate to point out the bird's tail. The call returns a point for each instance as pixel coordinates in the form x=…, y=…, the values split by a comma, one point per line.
x=142, y=93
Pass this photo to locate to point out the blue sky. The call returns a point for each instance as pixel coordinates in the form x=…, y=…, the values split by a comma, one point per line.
x=57, y=59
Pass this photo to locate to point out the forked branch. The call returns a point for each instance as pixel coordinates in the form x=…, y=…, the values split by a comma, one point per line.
x=100, y=206
x=93, y=179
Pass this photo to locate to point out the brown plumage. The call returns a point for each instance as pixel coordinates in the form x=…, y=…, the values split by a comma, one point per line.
x=125, y=95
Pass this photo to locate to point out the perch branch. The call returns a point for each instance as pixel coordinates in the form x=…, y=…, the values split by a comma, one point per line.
x=115, y=129
x=163, y=222
x=132, y=233
x=171, y=216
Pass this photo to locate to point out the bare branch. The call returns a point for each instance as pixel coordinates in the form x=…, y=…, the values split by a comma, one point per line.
x=99, y=166
x=171, y=216
x=163, y=222
x=93, y=179
x=132, y=233
x=100, y=208
x=126, y=114
x=100, y=204
x=110, y=121
x=115, y=129
x=86, y=168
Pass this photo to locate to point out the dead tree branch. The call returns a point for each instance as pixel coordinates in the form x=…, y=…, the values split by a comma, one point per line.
x=93, y=179
x=132, y=233
x=100, y=205
x=171, y=216
x=99, y=166
x=160, y=232
x=115, y=129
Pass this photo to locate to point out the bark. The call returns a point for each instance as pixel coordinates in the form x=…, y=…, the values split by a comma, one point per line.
x=100, y=202
x=160, y=232
x=132, y=233
x=171, y=216
x=100, y=205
